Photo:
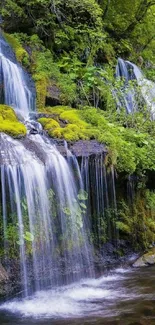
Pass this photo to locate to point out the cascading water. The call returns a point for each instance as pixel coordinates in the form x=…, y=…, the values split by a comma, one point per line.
x=44, y=207
x=128, y=71
x=46, y=202
x=42, y=196
x=17, y=89
x=147, y=88
x=102, y=206
x=127, y=97
x=41, y=201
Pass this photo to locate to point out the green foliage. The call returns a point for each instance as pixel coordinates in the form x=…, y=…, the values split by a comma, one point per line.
x=122, y=227
x=16, y=234
x=129, y=139
x=9, y=123
x=71, y=51
x=136, y=223
x=150, y=200
x=93, y=30
x=46, y=72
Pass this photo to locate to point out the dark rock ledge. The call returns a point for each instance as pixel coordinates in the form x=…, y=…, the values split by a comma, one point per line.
x=81, y=148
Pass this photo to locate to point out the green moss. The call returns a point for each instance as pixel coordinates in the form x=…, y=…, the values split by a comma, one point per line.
x=71, y=132
x=76, y=128
x=43, y=121
x=57, y=110
x=73, y=128
x=73, y=116
x=136, y=222
x=7, y=113
x=56, y=133
x=9, y=123
x=41, y=90
x=52, y=124
x=48, y=123
x=21, y=54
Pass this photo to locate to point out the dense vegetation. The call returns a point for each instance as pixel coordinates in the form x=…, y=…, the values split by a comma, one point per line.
x=71, y=48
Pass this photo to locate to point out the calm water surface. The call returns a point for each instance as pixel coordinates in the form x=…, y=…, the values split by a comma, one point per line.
x=123, y=297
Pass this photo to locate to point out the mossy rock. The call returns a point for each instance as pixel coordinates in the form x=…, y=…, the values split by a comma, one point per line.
x=75, y=128
x=73, y=116
x=48, y=123
x=9, y=123
x=147, y=259
x=57, y=110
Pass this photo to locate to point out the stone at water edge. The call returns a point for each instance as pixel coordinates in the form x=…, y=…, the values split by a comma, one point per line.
x=146, y=259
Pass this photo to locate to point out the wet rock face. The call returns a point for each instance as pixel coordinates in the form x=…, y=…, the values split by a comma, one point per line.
x=84, y=148
x=4, y=280
x=146, y=259
x=81, y=148
x=6, y=49
x=37, y=151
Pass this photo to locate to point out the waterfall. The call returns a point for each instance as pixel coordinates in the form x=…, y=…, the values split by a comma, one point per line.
x=41, y=201
x=127, y=97
x=42, y=197
x=51, y=206
x=128, y=71
x=17, y=89
x=102, y=207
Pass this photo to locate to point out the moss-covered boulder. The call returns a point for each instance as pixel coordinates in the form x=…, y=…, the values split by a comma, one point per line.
x=67, y=124
x=146, y=259
x=9, y=123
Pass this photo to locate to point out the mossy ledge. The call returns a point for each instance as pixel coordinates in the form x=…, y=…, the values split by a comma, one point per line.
x=130, y=149
x=9, y=123
x=67, y=123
